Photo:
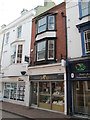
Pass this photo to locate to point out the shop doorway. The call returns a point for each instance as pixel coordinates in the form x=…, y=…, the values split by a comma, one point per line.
x=81, y=97
x=34, y=93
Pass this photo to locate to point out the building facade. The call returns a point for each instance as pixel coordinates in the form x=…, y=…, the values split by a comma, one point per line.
x=78, y=41
x=16, y=45
x=47, y=73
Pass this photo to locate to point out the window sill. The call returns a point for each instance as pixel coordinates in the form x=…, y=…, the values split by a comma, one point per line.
x=80, y=18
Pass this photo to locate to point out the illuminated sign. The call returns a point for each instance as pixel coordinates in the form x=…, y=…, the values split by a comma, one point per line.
x=80, y=67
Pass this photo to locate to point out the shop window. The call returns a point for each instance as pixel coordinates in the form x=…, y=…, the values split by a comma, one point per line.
x=44, y=99
x=87, y=41
x=14, y=91
x=58, y=96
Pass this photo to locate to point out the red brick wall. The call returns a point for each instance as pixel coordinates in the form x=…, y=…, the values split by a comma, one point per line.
x=60, y=33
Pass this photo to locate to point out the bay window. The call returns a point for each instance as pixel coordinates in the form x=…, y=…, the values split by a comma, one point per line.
x=45, y=50
x=16, y=53
x=45, y=23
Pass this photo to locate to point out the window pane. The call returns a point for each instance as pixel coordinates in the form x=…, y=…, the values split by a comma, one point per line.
x=51, y=49
x=87, y=40
x=19, y=54
x=41, y=50
x=85, y=7
x=51, y=22
x=42, y=25
x=13, y=54
x=19, y=31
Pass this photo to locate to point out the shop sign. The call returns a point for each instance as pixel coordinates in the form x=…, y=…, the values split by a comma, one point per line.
x=44, y=77
x=80, y=67
x=83, y=75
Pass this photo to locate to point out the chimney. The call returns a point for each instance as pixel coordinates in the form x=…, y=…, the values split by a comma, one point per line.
x=3, y=26
x=24, y=11
x=46, y=2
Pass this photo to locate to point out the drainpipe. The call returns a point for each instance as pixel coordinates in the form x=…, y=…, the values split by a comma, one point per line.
x=2, y=52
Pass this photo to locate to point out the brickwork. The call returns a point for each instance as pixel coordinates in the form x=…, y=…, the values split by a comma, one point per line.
x=60, y=32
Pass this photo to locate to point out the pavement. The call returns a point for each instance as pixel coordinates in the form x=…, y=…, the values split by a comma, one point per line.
x=33, y=113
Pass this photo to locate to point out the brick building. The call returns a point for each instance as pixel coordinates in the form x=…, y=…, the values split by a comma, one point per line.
x=47, y=73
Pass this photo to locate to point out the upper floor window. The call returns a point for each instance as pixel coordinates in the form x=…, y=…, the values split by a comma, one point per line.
x=87, y=41
x=16, y=54
x=7, y=37
x=45, y=23
x=13, y=54
x=19, y=32
x=84, y=7
x=45, y=50
x=19, y=54
x=41, y=46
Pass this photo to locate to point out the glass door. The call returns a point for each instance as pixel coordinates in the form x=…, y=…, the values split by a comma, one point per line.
x=44, y=95
x=34, y=93
x=82, y=97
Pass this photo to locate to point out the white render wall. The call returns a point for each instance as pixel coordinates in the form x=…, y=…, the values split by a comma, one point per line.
x=73, y=35
x=26, y=22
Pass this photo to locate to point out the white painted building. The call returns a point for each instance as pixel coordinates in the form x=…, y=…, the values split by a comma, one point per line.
x=17, y=40
x=78, y=42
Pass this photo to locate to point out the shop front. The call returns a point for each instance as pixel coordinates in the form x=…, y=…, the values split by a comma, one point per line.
x=80, y=86
x=48, y=93
x=15, y=90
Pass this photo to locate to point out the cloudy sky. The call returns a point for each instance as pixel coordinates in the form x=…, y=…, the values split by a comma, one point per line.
x=10, y=9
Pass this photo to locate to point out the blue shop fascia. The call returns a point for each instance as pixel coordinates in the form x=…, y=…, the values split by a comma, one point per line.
x=79, y=86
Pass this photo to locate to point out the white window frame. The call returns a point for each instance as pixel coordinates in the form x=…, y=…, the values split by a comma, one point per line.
x=19, y=32
x=49, y=49
x=86, y=41
x=37, y=51
x=17, y=53
x=7, y=37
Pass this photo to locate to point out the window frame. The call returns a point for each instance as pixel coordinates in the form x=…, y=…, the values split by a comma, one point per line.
x=80, y=11
x=19, y=32
x=46, y=50
x=17, y=53
x=86, y=41
x=47, y=28
x=7, y=37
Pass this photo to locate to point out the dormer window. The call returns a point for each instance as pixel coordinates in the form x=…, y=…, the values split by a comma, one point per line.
x=45, y=23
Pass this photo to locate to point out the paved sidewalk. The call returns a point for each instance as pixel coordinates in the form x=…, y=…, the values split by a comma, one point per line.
x=35, y=114
x=30, y=112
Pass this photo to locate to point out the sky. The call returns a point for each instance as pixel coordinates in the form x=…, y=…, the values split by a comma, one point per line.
x=11, y=9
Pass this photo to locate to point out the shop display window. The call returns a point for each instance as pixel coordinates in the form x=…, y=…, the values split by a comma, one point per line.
x=44, y=97
x=14, y=91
